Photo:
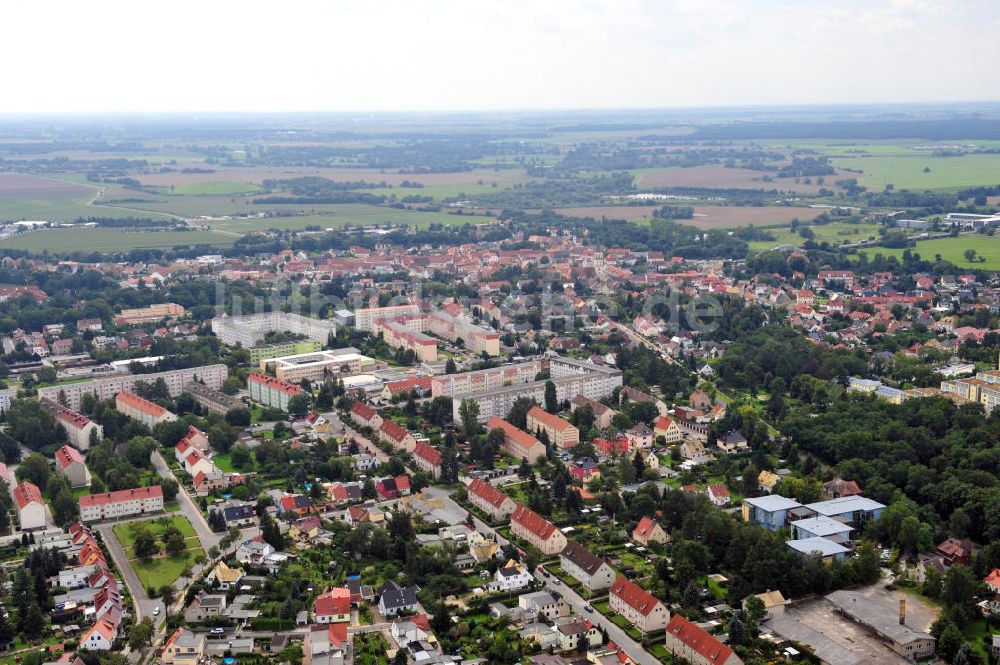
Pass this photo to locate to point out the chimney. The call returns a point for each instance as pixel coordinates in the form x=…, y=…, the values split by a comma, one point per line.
x=902, y=611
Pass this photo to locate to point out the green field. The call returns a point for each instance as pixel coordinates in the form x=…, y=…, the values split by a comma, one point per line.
x=126, y=532
x=907, y=171
x=111, y=240
x=951, y=249
x=835, y=234
x=347, y=215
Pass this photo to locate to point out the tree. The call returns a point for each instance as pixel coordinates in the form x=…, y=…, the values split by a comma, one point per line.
x=34, y=468
x=524, y=470
x=241, y=457
x=65, y=507
x=34, y=622
x=736, y=634
x=958, y=592
x=144, y=544
x=173, y=540
x=298, y=405
x=468, y=412
x=140, y=634
x=450, y=367
x=551, y=398
x=518, y=414
x=949, y=642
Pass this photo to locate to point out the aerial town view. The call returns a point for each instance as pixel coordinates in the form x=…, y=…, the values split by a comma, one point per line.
x=500, y=333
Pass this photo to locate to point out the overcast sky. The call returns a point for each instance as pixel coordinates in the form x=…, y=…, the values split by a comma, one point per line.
x=398, y=55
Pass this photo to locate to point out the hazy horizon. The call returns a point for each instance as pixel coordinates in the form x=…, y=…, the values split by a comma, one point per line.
x=446, y=56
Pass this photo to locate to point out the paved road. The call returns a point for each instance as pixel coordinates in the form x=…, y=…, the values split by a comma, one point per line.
x=144, y=605
x=616, y=634
x=189, y=509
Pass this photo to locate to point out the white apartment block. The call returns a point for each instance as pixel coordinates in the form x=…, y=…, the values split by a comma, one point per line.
x=571, y=378
x=250, y=330
x=106, y=388
x=138, y=501
x=464, y=384
x=365, y=318
x=315, y=366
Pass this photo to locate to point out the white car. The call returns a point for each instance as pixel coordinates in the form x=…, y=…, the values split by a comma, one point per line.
x=156, y=611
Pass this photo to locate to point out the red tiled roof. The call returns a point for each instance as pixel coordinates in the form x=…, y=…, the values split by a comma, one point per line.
x=66, y=456
x=338, y=634
x=144, y=405
x=408, y=384
x=533, y=522
x=518, y=436
x=634, y=596
x=393, y=430
x=555, y=422
x=718, y=490
x=363, y=410
x=335, y=601
x=712, y=650
x=27, y=492
x=487, y=492
x=277, y=384
x=428, y=453
x=121, y=495
x=645, y=527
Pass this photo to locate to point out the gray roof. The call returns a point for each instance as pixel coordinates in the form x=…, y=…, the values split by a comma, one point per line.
x=843, y=505
x=822, y=546
x=881, y=617
x=822, y=526
x=825, y=648
x=584, y=559
x=772, y=502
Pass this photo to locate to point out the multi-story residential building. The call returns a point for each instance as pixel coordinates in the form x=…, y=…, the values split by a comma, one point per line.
x=537, y=531
x=638, y=606
x=151, y=314
x=559, y=432
x=770, y=511
x=490, y=500
x=30, y=506
x=250, y=330
x=571, y=378
x=593, y=572
x=428, y=458
x=397, y=335
x=183, y=647
x=316, y=366
x=70, y=464
x=366, y=317
x=7, y=395
x=668, y=429
x=511, y=577
x=517, y=443
x=453, y=328
x=270, y=391
x=79, y=428
x=268, y=351
x=396, y=435
x=365, y=416
x=108, y=387
x=696, y=646
x=148, y=413
x=334, y=606
x=211, y=399
x=137, y=501
x=464, y=384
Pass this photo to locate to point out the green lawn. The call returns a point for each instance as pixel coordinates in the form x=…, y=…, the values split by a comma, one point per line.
x=163, y=571
x=951, y=249
x=979, y=637
x=110, y=240
x=836, y=233
x=126, y=533
x=225, y=463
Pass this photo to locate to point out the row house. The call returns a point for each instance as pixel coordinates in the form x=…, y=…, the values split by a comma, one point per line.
x=638, y=606
x=516, y=442
x=137, y=501
x=537, y=531
x=559, y=432
x=429, y=459
x=593, y=572
x=490, y=500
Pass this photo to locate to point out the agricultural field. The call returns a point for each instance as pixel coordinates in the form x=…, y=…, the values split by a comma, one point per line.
x=719, y=177
x=907, y=171
x=705, y=217
x=111, y=240
x=214, y=188
x=952, y=250
x=28, y=197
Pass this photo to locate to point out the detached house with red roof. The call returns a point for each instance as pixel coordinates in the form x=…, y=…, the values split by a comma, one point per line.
x=390, y=488
x=30, y=506
x=696, y=645
x=649, y=531
x=70, y=464
x=668, y=429
x=365, y=416
x=490, y=500
x=537, y=531
x=428, y=458
x=334, y=606
x=718, y=494
x=638, y=606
